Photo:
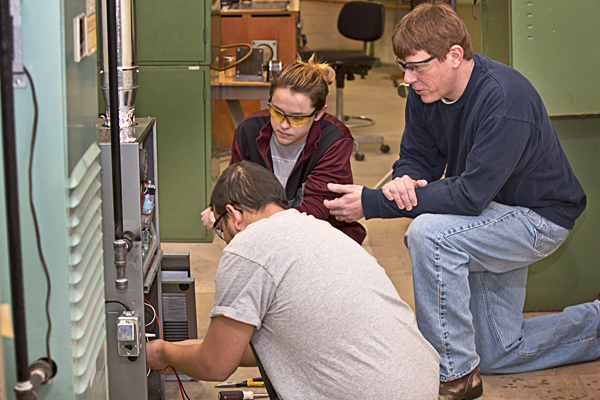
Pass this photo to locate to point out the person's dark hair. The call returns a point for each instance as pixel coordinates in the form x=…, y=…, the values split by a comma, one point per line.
x=434, y=28
x=310, y=78
x=248, y=186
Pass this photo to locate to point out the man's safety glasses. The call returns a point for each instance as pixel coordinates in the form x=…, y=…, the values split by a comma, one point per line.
x=415, y=67
x=293, y=120
x=217, y=227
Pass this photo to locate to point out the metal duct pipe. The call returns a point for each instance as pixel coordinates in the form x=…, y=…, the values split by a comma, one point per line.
x=110, y=55
x=126, y=61
x=12, y=197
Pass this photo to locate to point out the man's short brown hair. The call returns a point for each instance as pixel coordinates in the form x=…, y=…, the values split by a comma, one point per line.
x=433, y=28
x=249, y=186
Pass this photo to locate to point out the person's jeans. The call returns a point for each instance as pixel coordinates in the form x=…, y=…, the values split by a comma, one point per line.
x=469, y=277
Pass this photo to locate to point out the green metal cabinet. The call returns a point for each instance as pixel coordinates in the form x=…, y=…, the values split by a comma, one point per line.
x=173, y=32
x=554, y=44
x=66, y=194
x=178, y=97
x=465, y=10
x=570, y=275
x=173, y=49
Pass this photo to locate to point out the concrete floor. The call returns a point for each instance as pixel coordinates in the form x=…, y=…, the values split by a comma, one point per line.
x=376, y=97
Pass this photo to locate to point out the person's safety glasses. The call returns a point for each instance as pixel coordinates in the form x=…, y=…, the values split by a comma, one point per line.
x=415, y=67
x=217, y=227
x=293, y=120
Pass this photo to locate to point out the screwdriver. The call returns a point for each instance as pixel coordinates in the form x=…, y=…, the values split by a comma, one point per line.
x=241, y=395
x=256, y=382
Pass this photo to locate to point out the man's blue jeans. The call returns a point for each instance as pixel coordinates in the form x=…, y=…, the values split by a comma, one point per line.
x=469, y=277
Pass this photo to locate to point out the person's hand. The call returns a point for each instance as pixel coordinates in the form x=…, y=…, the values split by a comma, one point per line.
x=347, y=208
x=402, y=191
x=154, y=359
x=208, y=218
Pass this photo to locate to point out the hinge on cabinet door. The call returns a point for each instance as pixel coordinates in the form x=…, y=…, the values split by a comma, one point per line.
x=205, y=35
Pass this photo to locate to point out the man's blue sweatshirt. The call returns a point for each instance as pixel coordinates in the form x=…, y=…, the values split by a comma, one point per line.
x=495, y=143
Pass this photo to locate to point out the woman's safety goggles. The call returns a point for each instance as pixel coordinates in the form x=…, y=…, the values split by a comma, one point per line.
x=293, y=120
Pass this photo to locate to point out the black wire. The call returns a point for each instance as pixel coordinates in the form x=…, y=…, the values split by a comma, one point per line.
x=118, y=302
x=33, y=213
x=179, y=381
x=182, y=388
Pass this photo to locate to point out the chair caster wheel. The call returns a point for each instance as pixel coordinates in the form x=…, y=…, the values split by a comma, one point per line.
x=384, y=148
x=359, y=156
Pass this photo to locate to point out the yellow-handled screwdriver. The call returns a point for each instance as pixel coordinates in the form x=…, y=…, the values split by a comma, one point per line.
x=256, y=382
x=239, y=395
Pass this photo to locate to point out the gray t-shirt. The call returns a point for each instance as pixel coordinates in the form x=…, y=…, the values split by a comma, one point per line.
x=284, y=158
x=329, y=322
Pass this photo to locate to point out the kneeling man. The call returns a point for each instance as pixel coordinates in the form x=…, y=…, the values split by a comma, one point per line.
x=325, y=320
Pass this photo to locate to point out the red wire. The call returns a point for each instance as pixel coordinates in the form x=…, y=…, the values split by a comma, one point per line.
x=172, y=369
x=155, y=316
x=158, y=322
x=178, y=381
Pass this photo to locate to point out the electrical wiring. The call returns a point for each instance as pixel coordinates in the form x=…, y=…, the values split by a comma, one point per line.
x=33, y=212
x=148, y=372
x=118, y=302
x=181, y=389
x=155, y=316
x=147, y=304
x=231, y=46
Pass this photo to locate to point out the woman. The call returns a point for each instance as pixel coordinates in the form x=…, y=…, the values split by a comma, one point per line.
x=295, y=138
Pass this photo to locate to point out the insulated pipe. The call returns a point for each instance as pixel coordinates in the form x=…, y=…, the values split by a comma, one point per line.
x=115, y=145
x=12, y=198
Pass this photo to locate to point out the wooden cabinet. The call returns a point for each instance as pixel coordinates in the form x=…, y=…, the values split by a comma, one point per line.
x=246, y=26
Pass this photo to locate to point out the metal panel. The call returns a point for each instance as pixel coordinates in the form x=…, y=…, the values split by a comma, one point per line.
x=65, y=192
x=465, y=9
x=178, y=98
x=127, y=375
x=86, y=282
x=173, y=32
x=179, y=301
x=179, y=309
x=570, y=275
x=554, y=44
x=495, y=30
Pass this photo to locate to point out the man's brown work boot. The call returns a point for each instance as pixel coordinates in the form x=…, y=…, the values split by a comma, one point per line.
x=468, y=387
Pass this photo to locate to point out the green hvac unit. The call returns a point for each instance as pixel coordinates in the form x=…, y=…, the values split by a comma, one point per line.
x=174, y=53
x=554, y=43
x=66, y=193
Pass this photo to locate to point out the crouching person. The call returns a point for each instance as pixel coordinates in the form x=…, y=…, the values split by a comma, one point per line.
x=325, y=320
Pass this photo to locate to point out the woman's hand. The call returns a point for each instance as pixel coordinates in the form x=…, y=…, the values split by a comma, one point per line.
x=208, y=218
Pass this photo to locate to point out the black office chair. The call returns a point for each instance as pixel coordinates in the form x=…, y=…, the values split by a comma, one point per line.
x=364, y=21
